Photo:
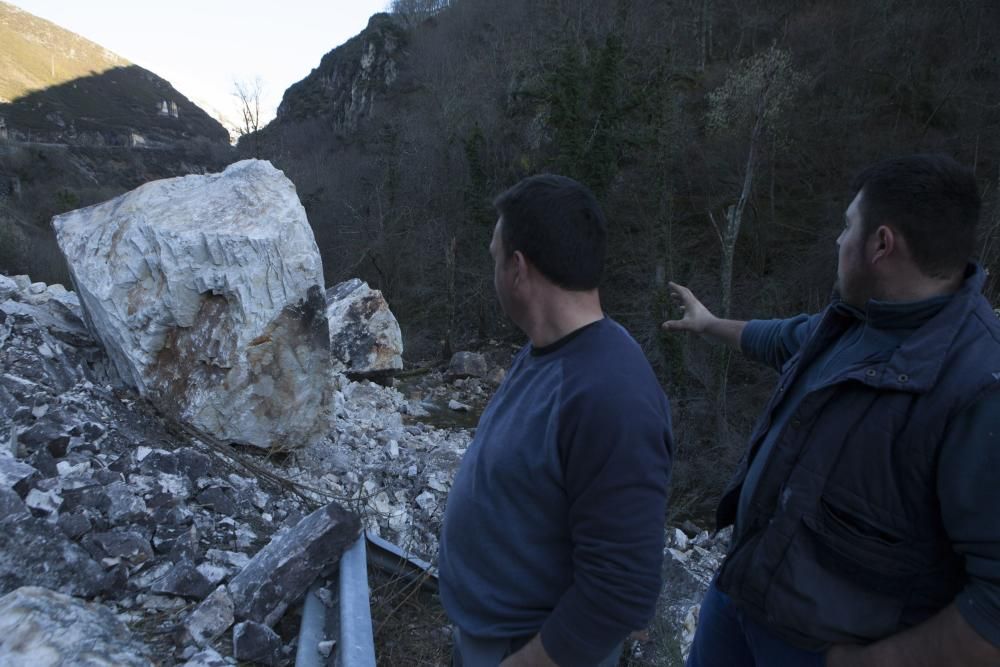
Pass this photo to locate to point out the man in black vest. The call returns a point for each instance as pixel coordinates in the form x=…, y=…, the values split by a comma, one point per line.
x=866, y=508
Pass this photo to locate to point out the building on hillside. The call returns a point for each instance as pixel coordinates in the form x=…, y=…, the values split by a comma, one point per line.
x=164, y=109
x=173, y=109
x=136, y=140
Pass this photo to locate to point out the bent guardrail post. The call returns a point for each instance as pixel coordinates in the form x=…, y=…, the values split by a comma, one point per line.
x=312, y=630
x=356, y=645
x=388, y=557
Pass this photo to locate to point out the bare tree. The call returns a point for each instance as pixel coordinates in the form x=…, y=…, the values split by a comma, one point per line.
x=250, y=94
x=749, y=103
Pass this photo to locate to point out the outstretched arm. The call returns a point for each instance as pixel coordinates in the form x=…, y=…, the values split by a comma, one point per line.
x=700, y=320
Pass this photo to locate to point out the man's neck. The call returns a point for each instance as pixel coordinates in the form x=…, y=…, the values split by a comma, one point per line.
x=560, y=313
x=919, y=287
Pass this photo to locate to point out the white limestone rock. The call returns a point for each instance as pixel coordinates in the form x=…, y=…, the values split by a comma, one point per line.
x=206, y=292
x=41, y=627
x=364, y=335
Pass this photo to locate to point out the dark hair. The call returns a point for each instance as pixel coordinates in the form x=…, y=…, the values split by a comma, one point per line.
x=558, y=225
x=931, y=200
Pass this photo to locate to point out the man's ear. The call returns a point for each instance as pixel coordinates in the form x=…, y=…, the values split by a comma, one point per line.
x=885, y=242
x=520, y=266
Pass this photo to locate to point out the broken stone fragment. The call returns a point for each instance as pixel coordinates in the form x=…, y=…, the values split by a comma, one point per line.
x=125, y=507
x=35, y=552
x=129, y=546
x=42, y=627
x=466, y=364
x=207, y=657
x=218, y=499
x=680, y=539
x=234, y=560
x=11, y=505
x=427, y=501
x=210, y=618
x=257, y=643
x=44, y=503
x=192, y=463
x=458, y=406
x=185, y=580
x=365, y=339
x=75, y=525
x=8, y=288
x=16, y=475
x=158, y=462
x=283, y=570
x=48, y=433
x=325, y=647
x=206, y=291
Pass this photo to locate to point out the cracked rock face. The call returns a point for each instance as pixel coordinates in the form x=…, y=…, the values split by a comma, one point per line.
x=206, y=292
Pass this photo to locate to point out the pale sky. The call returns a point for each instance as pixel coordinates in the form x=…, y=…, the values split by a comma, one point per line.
x=202, y=46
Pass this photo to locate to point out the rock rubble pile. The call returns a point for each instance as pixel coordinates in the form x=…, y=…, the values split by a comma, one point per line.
x=112, y=513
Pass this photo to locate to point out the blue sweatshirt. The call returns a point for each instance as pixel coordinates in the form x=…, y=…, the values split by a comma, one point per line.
x=554, y=523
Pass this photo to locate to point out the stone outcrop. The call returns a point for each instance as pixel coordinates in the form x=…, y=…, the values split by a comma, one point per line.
x=40, y=627
x=206, y=293
x=365, y=340
x=349, y=79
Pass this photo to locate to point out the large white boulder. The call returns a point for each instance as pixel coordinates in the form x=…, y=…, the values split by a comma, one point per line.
x=364, y=335
x=206, y=292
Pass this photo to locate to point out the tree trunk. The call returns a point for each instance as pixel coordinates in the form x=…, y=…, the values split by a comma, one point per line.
x=730, y=234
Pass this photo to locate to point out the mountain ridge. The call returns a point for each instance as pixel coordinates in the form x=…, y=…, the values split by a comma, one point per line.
x=57, y=86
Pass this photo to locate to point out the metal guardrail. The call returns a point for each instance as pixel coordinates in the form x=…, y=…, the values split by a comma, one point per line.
x=356, y=642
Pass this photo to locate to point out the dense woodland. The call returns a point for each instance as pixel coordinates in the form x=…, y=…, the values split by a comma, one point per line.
x=721, y=137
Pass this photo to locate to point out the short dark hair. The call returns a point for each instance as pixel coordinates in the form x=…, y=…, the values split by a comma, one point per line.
x=558, y=225
x=931, y=200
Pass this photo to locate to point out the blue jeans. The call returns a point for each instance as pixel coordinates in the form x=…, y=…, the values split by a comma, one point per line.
x=726, y=637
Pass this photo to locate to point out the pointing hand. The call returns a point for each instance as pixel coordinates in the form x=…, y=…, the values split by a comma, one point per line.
x=696, y=315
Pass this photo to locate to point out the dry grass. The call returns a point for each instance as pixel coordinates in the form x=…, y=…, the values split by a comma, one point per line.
x=409, y=623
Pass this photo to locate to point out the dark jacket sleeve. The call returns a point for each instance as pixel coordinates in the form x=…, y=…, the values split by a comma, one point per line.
x=970, y=501
x=617, y=454
x=773, y=342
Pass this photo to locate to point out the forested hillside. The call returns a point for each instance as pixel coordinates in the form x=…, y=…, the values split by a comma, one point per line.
x=720, y=136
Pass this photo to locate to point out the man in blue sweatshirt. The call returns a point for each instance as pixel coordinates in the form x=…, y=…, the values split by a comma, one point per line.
x=866, y=506
x=553, y=537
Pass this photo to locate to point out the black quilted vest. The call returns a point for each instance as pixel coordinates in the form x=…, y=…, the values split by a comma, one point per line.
x=844, y=540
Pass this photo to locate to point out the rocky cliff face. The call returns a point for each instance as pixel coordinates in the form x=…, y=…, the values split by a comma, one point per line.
x=350, y=78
